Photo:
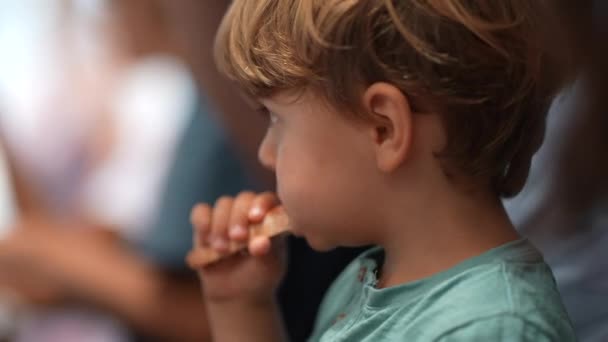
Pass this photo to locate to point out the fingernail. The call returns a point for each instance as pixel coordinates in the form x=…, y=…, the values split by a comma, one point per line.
x=255, y=211
x=237, y=231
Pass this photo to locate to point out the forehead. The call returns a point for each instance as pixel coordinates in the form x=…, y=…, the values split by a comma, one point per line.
x=290, y=99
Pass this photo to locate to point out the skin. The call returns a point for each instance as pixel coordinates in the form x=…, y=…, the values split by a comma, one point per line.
x=345, y=183
x=38, y=263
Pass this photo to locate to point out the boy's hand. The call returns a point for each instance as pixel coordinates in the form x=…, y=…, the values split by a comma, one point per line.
x=250, y=277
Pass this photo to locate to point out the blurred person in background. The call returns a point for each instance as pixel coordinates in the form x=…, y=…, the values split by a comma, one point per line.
x=563, y=208
x=90, y=153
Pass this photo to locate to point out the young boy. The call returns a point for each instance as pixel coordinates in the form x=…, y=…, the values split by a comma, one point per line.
x=398, y=124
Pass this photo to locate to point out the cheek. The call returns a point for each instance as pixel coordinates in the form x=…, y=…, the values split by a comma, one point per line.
x=324, y=192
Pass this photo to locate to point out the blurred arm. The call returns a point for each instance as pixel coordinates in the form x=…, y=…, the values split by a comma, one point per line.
x=151, y=301
x=85, y=265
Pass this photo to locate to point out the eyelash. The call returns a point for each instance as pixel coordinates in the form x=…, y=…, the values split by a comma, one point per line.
x=272, y=118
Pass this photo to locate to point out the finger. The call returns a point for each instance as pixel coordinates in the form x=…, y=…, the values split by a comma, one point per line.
x=239, y=218
x=200, y=217
x=261, y=205
x=219, y=224
x=259, y=246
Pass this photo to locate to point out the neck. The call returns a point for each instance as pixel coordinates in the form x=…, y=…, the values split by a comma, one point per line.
x=438, y=234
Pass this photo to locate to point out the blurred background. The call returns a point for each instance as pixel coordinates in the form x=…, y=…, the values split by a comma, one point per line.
x=114, y=123
x=96, y=100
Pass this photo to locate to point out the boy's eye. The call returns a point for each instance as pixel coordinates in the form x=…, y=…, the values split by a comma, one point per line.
x=272, y=117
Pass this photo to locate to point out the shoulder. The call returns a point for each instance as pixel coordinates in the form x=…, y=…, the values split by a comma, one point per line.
x=501, y=302
x=507, y=327
x=512, y=287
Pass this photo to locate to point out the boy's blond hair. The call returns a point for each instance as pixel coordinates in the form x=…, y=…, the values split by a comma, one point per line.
x=482, y=65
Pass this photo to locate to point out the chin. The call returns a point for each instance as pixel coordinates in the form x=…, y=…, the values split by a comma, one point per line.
x=320, y=245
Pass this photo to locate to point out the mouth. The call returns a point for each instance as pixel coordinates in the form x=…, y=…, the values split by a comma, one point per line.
x=292, y=227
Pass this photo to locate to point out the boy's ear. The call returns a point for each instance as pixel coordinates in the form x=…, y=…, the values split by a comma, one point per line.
x=392, y=129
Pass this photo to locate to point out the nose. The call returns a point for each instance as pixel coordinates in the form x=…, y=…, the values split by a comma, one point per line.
x=267, y=152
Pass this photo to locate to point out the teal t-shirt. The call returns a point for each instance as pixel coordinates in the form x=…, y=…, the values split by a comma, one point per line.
x=505, y=294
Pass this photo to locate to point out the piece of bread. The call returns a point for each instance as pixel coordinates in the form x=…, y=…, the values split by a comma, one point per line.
x=275, y=222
